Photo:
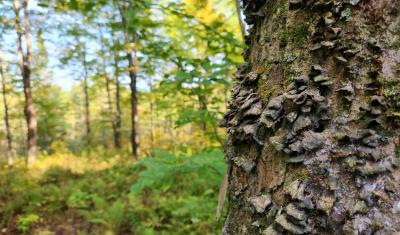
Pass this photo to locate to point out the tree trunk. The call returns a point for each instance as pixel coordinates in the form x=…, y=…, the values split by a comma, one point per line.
x=25, y=66
x=313, y=127
x=240, y=18
x=202, y=99
x=110, y=107
x=10, y=152
x=117, y=121
x=86, y=97
x=132, y=69
x=134, y=112
x=152, y=112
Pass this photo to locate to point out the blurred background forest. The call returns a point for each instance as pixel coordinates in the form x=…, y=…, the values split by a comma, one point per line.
x=109, y=114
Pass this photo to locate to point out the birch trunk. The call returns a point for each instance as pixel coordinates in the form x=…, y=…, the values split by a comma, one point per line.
x=25, y=66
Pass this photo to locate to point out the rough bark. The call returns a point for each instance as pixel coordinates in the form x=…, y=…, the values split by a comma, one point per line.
x=132, y=69
x=10, y=151
x=25, y=66
x=134, y=108
x=313, y=126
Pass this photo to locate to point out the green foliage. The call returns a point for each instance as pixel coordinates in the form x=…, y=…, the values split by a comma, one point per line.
x=177, y=192
x=109, y=215
x=52, y=107
x=299, y=35
x=391, y=91
x=165, y=170
x=283, y=40
x=164, y=194
x=57, y=175
x=26, y=222
x=79, y=200
x=18, y=193
x=185, y=52
x=87, y=7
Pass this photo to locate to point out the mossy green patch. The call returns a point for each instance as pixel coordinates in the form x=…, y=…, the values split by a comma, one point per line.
x=299, y=35
x=290, y=73
x=391, y=91
x=283, y=39
x=265, y=91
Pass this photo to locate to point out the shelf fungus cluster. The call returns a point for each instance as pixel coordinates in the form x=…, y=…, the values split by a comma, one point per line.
x=311, y=145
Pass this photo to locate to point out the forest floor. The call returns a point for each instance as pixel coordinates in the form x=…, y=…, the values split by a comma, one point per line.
x=98, y=194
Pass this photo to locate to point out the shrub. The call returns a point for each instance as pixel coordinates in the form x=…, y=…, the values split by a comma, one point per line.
x=177, y=194
x=26, y=222
x=166, y=194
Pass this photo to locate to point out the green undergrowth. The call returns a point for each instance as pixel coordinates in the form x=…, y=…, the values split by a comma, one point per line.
x=164, y=194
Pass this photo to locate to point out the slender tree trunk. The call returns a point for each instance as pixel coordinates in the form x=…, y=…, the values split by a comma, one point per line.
x=10, y=151
x=152, y=127
x=108, y=90
x=203, y=108
x=86, y=97
x=313, y=127
x=110, y=108
x=152, y=112
x=202, y=99
x=132, y=68
x=118, y=123
x=25, y=66
x=170, y=131
x=134, y=114
x=240, y=18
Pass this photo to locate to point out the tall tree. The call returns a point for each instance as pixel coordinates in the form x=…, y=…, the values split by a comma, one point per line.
x=86, y=93
x=118, y=113
x=10, y=151
x=24, y=61
x=131, y=43
x=313, y=127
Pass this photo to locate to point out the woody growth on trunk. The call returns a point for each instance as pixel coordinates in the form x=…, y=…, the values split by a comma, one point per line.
x=313, y=126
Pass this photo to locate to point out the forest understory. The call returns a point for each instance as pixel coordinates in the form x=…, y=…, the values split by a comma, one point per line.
x=109, y=115
x=99, y=194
